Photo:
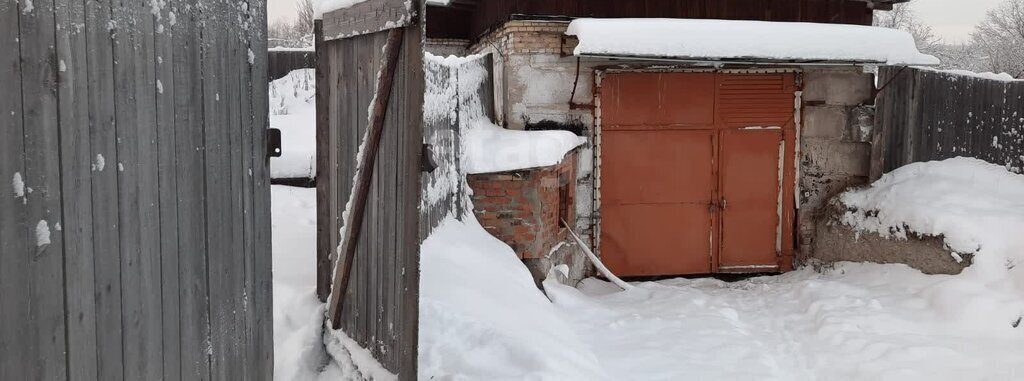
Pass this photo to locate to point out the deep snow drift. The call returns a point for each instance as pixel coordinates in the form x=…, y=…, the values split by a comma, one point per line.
x=293, y=111
x=482, y=317
x=977, y=207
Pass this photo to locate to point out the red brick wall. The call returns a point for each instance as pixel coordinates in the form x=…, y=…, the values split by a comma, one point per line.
x=521, y=208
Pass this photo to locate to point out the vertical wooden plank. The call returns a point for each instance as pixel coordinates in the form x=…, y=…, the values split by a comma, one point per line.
x=324, y=172
x=105, y=192
x=234, y=59
x=246, y=311
x=46, y=344
x=15, y=233
x=262, y=264
x=131, y=107
x=218, y=185
x=409, y=213
x=372, y=230
x=76, y=188
x=150, y=323
x=189, y=125
x=169, y=252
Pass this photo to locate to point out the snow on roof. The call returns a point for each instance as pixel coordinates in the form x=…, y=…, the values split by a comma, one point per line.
x=746, y=40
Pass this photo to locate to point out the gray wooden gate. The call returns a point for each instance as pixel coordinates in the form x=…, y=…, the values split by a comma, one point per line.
x=924, y=115
x=134, y=190
x=379, y=308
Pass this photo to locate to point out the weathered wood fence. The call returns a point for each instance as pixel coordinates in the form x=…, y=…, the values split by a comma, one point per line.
x=280, y=62
x=380, y=307
x=924, y=115
x=134, y=201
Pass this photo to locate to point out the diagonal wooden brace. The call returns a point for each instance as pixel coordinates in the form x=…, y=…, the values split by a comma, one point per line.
x=364, y=175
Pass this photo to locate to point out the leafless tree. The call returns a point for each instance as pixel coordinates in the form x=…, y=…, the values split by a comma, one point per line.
x=304, y=22
x=1000, y=38
x=288, y=35
x=903, y=17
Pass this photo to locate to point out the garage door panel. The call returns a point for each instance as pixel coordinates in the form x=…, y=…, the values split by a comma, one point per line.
x=629, y=99
x=679, y=243
x=672, y=166
x=688, y=99
x=750, y=175
x=657, y=100
x=686, y=186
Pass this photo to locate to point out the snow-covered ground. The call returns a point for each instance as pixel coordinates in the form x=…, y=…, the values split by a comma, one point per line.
x=299, y=352
x=853, y=322
x=293, y=111
x=482, y=318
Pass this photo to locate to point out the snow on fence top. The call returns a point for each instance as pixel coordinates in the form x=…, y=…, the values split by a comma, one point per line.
x=1001, y=77
x=746, y=40
x=325, y=6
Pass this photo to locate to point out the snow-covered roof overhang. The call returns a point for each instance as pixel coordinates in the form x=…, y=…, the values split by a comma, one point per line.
x=745, y=41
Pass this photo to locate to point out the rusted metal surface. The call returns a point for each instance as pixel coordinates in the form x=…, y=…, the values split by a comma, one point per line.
x=750, y=197
x=657, y=189
x=697, y=171
x=471, y=19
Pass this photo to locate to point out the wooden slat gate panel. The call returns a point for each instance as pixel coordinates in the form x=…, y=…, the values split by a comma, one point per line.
x=134, y=223
x=380, y=306
x=924, y=115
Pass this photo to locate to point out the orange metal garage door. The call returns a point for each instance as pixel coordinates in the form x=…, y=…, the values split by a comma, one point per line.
x=693, y=168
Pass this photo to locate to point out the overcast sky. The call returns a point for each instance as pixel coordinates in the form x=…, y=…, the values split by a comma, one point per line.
x=953, y=20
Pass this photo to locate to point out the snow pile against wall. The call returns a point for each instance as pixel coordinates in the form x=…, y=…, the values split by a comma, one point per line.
x=746, y=40
x=481, y=315
x=976, y=206
x=293, y=111
x=488, y=147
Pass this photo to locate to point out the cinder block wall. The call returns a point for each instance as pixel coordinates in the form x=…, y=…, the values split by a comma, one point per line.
x=835, y=148
x=522, y=208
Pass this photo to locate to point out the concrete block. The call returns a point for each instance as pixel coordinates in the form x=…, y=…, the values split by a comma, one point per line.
x=826, y=122
x=830, y=158
x=837, y=87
